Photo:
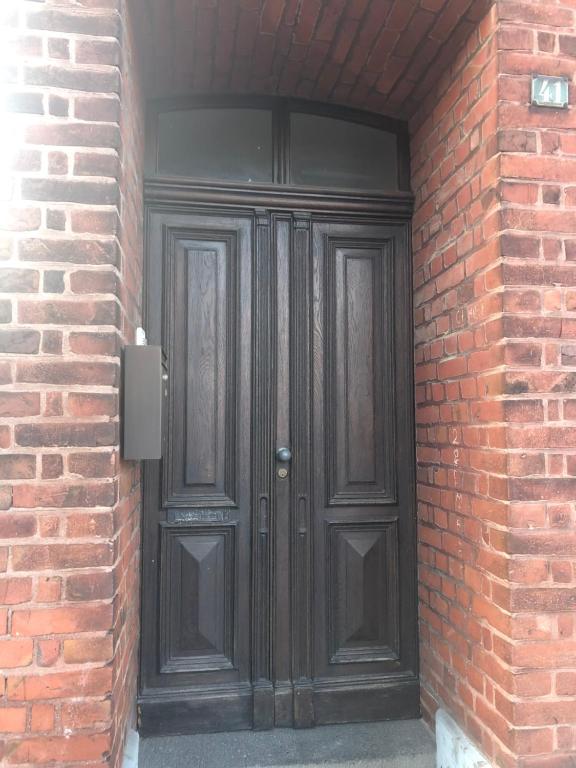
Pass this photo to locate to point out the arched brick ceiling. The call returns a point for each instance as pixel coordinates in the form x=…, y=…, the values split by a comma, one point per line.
x=374, y=54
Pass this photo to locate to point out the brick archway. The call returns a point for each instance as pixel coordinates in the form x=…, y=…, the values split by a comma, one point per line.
x=383, y=57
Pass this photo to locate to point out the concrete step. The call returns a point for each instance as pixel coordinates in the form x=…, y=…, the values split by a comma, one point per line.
x=397, y=744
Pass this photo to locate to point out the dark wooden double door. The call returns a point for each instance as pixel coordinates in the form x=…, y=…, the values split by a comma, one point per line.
x=279, y=593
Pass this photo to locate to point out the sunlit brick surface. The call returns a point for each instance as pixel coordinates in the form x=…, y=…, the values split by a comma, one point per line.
x=495, y=281
x=70, y=295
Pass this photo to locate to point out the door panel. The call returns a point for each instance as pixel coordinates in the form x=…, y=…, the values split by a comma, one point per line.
x=360, y=391
x=363, y=620
x=362, y=467
x=202, y=334
x=279, y=592
x=196, y=668
x=197, y=626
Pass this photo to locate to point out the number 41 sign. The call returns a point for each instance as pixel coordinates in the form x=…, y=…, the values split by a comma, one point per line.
x=550, y=91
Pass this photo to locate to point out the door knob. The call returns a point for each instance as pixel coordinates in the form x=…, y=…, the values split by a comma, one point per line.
x=283, y=454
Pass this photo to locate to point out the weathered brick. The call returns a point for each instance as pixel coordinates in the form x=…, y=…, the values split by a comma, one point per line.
x=85, y=587
x=92, y=281
x=20, y=219
x=52, y=342
x=86, y=405
x=94, y=343
x=54, y=435
x=92, y=464
x=97, y=109
x=60, y=190
x=91, y=649
x=69, y=312
x=96, y=164
x=19, y=342
x=520, y=246
x=99, y=374
x=568, y=45
x=13, y=719
x=63, y=495
x=49, y=589
x=19, y=280
x=17, y=404
x=59, y=685
x=53, y=281
x=74, y=135
x=58, y=106
x=94, y=221
x=5, y=311
x=100, y=52
x=58, y=48
x=48, y=652
x=56, y=220
x=58, y=556
x=42, y=718
x=52, y=466
x=84, y=714
x=94, y=747
x=17, y=466
x=68, y=20
x=517, y=141
x=15, y=590
x=68, y=251
x=15, y=653
x=19, y=525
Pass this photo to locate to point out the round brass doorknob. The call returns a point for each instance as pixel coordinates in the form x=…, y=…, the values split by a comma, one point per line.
x=283, y=454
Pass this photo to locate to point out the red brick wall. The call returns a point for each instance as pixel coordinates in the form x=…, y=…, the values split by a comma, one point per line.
x=127, y=600
x=457, y=316
x=70, y=268
x=495, y=233
x=538, y=247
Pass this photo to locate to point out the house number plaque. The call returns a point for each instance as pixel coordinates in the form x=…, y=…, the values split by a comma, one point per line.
x=550, y=92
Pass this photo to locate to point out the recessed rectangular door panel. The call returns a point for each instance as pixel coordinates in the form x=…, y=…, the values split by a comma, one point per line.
x=197, y=619
x=201, y=299
x=358, y=353
x=363, y=592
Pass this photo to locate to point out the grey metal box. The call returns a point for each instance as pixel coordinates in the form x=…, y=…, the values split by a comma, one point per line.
x=142, y=402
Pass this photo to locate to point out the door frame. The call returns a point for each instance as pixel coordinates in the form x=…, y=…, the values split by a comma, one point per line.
x=187, y=196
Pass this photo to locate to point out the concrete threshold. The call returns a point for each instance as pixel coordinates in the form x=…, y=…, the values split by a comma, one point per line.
x=394, y=744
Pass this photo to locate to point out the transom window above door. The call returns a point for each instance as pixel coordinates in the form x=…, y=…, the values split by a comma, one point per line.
x=276, y=141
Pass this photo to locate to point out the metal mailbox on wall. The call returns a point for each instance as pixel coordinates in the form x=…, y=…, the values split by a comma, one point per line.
x=142, y=402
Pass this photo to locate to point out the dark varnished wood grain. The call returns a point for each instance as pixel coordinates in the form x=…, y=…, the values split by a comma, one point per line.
x=266, y=600
x=196, y=658
x=201, y=301
x=197, y=628
x=363, y=592
x=363, y=604
x=360, y=392
x=206, y=370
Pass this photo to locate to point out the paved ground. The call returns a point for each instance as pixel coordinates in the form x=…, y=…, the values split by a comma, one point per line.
x=399, y=744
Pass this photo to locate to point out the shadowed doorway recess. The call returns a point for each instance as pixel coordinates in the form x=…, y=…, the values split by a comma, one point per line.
x=279, y=531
